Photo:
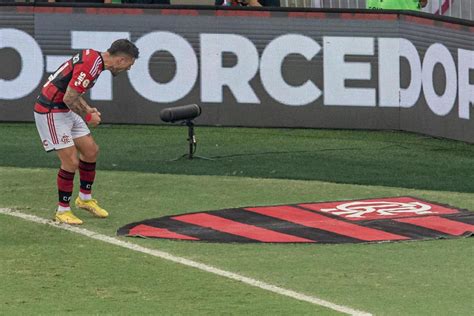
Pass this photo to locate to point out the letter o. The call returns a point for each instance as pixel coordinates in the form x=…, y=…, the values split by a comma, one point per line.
x=186, y=67
x=440, y=104
x=32, y=64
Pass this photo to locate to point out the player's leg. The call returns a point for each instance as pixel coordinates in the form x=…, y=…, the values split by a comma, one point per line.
x=55, y=133
x=88, y=152
x=69, y=165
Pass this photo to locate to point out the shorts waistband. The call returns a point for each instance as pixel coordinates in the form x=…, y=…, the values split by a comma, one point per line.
x=41, y=109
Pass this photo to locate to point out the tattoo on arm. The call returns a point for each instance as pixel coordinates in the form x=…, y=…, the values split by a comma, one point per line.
x=85, y=104
x=74, y=101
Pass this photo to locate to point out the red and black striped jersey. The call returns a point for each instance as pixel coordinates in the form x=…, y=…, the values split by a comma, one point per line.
x=79, y=73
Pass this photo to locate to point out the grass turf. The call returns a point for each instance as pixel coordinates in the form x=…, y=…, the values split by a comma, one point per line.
x=48, y=271
x=372, y=158
x=388, y=279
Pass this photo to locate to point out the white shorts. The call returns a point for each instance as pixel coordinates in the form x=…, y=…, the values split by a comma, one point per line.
x=57, y=130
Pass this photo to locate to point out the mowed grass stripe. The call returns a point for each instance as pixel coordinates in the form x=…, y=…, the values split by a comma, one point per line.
x=187, y=262
x=392, y=159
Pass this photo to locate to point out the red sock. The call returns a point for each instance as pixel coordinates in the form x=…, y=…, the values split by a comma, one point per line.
x=87, y=176
x=65, y=185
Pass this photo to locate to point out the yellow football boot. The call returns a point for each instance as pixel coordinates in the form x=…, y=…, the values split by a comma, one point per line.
x=92, y=207
x=67, y=218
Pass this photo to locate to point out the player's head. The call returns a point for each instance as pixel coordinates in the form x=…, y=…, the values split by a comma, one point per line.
x=122, y=55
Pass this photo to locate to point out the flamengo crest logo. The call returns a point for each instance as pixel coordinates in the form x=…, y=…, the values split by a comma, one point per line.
x=380, y=208
x=366, y=210
x=371, y=220
x=66, y=139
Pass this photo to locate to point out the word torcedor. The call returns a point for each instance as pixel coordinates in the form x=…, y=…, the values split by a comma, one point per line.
x=213, y=76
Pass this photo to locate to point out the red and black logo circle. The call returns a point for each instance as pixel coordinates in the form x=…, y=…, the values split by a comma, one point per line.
x=371, y=220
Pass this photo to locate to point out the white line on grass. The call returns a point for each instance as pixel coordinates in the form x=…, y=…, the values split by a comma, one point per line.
x=187, y=262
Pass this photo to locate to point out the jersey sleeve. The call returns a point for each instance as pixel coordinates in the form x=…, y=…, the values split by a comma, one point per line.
x=83, y=76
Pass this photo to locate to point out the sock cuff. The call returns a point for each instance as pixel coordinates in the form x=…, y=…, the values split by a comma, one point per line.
x=64, y=205
x=88, y=166
x=66, y=175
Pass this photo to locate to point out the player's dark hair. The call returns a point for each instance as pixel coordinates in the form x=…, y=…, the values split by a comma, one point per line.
x=123, y=46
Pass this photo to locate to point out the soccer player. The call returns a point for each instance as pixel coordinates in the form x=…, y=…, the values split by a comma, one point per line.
x=62, y=116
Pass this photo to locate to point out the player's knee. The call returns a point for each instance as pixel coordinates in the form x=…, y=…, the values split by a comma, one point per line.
x=94, y=151
x=75, y=164
x=70, y=163
x=91, y=153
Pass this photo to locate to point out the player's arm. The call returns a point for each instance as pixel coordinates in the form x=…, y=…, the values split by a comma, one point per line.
x=86, y=105
x=73, y=100
x=76, y=103
x=89, y=108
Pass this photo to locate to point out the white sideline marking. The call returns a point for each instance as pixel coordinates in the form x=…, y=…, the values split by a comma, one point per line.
x=187, y=262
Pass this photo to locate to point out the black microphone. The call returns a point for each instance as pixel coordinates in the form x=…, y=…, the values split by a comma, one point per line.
x=178, y=113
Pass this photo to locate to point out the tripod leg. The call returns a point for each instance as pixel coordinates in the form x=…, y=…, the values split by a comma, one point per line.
x=192, y=144
x=191, y=139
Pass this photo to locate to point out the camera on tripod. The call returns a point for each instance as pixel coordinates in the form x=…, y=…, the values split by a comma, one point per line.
x=186, y=114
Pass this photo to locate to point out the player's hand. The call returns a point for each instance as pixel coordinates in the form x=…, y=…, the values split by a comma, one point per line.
x=93, y=118
x=94, y=110
x=423, y=3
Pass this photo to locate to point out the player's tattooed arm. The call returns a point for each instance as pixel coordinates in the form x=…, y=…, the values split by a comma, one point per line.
x=75, y=102
x=87, y=106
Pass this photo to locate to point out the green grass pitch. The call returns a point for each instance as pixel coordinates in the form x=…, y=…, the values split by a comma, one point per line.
x=49, y=271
